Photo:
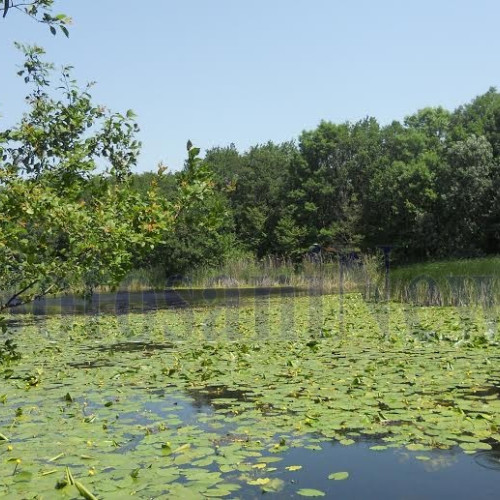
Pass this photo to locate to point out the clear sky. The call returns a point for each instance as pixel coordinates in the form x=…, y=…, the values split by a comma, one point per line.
x=222, y=71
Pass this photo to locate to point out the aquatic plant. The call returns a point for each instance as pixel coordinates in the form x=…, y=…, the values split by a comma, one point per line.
x=206, y=402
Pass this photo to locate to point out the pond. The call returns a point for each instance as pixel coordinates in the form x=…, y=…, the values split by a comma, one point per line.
x=124, y=302
x=288, y=396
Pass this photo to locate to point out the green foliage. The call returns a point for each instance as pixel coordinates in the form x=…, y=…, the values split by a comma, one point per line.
x=202, y=233
x=70, y=217
x=428, y=186
x=8, y=352
x=254, y=183
x=40, y=11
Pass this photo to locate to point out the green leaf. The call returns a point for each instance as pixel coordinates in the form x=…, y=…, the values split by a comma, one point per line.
x=338, y=476
x=310, y=492
x=23, y=477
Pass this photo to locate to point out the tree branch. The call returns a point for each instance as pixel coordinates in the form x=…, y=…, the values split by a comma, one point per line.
x=10, y=303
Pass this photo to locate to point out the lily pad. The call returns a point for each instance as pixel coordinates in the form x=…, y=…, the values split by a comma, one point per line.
x=338, y=476
x=310, y=492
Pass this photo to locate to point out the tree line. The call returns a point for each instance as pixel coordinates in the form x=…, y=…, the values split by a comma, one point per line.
x=428, y=186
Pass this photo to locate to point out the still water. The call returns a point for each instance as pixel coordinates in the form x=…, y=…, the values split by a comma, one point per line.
x=125, y=302
x=392, y=474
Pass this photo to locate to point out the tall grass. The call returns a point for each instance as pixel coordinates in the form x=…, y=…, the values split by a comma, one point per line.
x=268, y=272
x=455, y=282
x=245, y=271
x=142, y=279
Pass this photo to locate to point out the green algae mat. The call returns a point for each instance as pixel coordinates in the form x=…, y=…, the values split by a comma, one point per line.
x=202, y=403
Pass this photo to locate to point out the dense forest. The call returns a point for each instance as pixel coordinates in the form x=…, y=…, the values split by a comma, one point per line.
x=428, y=186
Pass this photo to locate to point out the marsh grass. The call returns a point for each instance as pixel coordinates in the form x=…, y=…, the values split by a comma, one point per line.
x=461, y=282
x=455, y=283
x=328, y=276
x=138, y=280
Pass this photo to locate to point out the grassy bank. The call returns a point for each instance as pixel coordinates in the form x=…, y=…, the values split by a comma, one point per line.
x=452, y=282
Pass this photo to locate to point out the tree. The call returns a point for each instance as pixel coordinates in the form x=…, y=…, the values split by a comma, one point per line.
x=400, y=207
x=480, y=117
x=40, y=11
x=70, y=218
x=465, y=187
x=255, y=182
x=202, y=232
x=329, y=181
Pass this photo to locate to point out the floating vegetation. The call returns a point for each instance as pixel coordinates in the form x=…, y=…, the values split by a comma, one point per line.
x=208, y=403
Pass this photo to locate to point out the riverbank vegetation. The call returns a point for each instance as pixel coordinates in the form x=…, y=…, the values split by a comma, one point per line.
x=427, y=187
x=424, y=189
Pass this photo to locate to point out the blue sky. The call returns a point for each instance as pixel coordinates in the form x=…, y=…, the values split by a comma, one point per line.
x=223, y=71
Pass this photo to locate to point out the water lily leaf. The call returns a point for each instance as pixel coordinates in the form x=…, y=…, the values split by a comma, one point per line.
x=273, y=486
x=310, y=492
x=221, y=402
x=475, y=446
x=259, y=481
x=347, y=442
x=23, y=477
x=259, y=466
x=269, y=460
x=338, y=476
x=219, y=492
x=417, y=447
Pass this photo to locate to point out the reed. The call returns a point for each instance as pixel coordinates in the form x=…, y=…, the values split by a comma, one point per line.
x=461, y=282
x=328, y=276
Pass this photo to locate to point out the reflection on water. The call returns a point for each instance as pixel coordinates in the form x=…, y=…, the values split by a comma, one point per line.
x=391, y=474
x=125, y=302
x=96, y=363
x=489, y=459
x=134, y=346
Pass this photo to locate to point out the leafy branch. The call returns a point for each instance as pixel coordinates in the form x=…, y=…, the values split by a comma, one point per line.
x=40, y=11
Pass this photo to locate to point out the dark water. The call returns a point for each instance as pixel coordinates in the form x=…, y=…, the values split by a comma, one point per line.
x=125, y=302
